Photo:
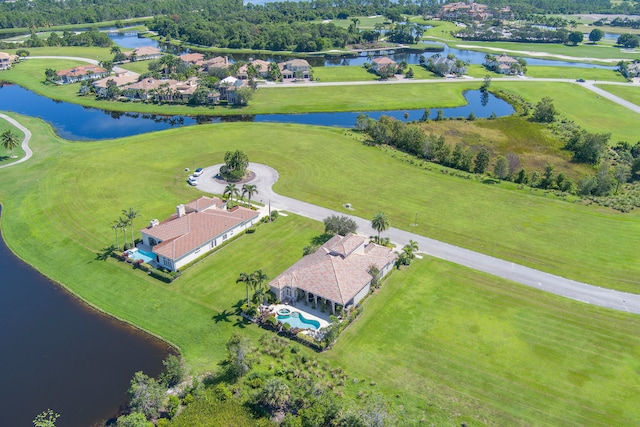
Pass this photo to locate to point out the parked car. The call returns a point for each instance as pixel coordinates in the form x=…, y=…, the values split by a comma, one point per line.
x=198, y=172
x=192, y=180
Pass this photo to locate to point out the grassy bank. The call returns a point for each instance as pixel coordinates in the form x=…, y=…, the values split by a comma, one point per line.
x=574, y=73
x=441, y=335
x=5, y=155
x=485, y=350
x=630, y=93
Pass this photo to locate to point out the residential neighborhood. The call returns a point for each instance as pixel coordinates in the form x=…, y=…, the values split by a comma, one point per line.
x=6, y=60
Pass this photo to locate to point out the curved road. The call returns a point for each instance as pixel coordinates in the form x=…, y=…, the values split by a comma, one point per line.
x=267, y=176
x=25, y=142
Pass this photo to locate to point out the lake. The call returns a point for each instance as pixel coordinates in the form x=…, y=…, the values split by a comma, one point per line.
x=58, y=353
x=77, y=123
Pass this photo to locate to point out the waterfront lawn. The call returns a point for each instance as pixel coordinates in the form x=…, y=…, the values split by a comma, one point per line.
x=441, y=335
x=530, y=227
x=92, y=52
x=630, y=93
x=354, y=73
x=5, y=155
x=603, y=54
x=584, y=107
x=574, y=73
x=139, y=67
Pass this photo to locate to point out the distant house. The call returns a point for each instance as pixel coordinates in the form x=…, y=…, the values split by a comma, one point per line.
x=445, y=66
x=168, y=90
x=336, y=274
x=194, y=230
x=295, y=69
x=192, y=58
x=7, y=60
x=144, y=53
x=262, y=67
x=383, y=63
x=503, y=64
x=216, y=62
x=80, y=73
x=119, y=79
x=459, y=10
x=228, y=87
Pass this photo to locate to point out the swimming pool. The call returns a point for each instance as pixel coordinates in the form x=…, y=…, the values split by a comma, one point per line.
x=146, y=257
x=297, y=320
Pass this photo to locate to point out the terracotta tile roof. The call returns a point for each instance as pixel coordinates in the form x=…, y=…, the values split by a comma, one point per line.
x=194, y=58
x=151, y=83
x=506, y=59
x=145, y=51
x=199, y=224
x=338, y=270
x=384, y=60
x=217, y=62
x=119, y=79
x=5, y=56
x=81, y=70
x=204, y=202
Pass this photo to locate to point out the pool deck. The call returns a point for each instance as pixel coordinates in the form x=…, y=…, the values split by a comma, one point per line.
x=306, y=310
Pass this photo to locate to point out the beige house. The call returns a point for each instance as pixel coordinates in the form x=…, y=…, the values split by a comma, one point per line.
x=192, y=58
x=383, y=63
x=80, y=73
x=164, y=89
x=194, y=230
x=337, y=274
x=216, y=62
x=7, y=60
x=144, y=53
x=295, y=69
x=119, y=79
x=262, y=67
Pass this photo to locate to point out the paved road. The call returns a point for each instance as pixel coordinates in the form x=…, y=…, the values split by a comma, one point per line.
x=267, y=176
x=25, y=142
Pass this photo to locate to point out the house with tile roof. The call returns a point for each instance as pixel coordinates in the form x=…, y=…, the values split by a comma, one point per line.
x=383, y=63
x=336, y=274
x=192, y=58
x=7, y=60
x=196, y=228
x=120, y=79
x=503, y=64
x=144, y=53
x=216, y=62
x=261, y=67
x=295, y=69
x=80, y=73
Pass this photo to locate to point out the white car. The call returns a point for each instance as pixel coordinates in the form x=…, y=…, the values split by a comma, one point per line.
x=198, y=172
x=192, y=180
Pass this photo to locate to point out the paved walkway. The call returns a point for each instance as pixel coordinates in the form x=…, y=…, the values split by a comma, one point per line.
x=267, y=176
x=25, y=142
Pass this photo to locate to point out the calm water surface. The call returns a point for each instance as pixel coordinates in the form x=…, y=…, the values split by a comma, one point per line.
x=58, y=353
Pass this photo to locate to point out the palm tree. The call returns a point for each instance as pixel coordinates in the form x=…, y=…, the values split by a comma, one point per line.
x=122, y=224
x=380, y=223
x=249, y=190
x=130, y=215
x=410, y=249
x=260, y=277
x=247, y=280
x=115, y=49
x=10, y=141
x=231, y=190
x=114, y=226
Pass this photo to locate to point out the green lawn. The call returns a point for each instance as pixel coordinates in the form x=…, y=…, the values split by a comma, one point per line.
x=574, y=73
x=600, y=52
x=5, y=155
x=139, y=67
x=343, y=74
x=75, y=26
x=442, y=335
x=483, y=349
x=630, y=93
x=587, y=109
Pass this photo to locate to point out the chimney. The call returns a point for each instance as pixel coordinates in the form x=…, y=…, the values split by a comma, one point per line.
x=181, y=211
x=153, y=223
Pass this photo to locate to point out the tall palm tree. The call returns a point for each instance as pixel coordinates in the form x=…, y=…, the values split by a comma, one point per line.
x=380, y=223
x=122, y=224
x=115, y=49
x=249, y=190
x=260, y=277
x=130, y=215
x=10, y=141
x=231, y=190
x=410, y=249
x=246, y=279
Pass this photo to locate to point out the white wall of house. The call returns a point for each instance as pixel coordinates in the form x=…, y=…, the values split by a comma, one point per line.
x=363, y=293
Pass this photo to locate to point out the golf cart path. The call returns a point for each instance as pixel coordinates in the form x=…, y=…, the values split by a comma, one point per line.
x=25, y=142
x=266, y=176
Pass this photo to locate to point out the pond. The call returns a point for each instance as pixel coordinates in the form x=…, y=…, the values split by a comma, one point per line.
x=75, y=122
x=59, y=353
x=131, y=40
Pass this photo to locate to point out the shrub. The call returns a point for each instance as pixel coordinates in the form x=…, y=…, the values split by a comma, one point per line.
x=251, y=230
x=188, y=399
x=274, y=215
x=286, y=327
x=161, y=275
x=271, y=320
x=172, y=406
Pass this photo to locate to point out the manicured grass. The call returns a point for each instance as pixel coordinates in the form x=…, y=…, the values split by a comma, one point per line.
x=75, y=26
x=532, y=225
x=442, y=335
x=365, y=22
x=579, y=53
x=630, y=93
x=5, y=155
x=97, y=53
x=139, y=67
x=587, y=109
x=574, y=73
x=343, y=74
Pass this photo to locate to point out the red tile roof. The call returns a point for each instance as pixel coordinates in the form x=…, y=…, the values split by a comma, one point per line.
x=202, y=222
x=338, y=270
x=81, y=70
